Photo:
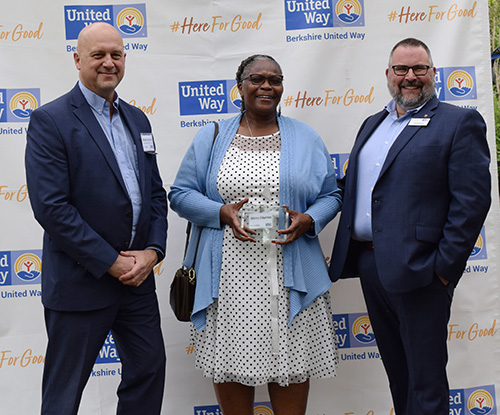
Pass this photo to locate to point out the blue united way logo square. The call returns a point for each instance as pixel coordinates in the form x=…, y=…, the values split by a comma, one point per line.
x=456, y=83
x=348, y=13
x=5, y=269
x=77, y=17
x=478, y=400
x=108, y=352
x=16, y=105
x=340, y=163
x=479, y=250
x=306, y=14
x=209, y=97
x=26, y=267
x=129, y=19
x=342, y=328
x=3, y=105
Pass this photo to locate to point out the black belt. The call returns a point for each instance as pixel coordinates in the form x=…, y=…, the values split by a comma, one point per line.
x=367, y=245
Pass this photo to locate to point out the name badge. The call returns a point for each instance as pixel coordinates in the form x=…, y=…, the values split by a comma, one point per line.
x=148, y=144
x=261, y=220
x=419, y=122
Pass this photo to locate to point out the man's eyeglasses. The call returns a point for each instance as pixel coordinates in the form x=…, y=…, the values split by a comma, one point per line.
x=418, y=70
x=257, y=79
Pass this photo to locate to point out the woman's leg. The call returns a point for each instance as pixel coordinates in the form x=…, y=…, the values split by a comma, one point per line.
x=289, y=400
x=235, y=398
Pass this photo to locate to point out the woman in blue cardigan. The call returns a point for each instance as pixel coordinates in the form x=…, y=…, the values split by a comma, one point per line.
x=259, y=194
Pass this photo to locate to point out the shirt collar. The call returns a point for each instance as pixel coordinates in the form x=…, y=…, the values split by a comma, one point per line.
x=97, y=102
x=391, y=109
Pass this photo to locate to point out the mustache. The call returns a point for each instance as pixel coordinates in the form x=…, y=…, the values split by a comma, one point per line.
x=416, y=83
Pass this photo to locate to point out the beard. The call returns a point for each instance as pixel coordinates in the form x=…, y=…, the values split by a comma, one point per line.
x=426, y=93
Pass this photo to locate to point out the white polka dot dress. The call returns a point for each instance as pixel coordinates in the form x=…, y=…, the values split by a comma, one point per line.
x=247, y=338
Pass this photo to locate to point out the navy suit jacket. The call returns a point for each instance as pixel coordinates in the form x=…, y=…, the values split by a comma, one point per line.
x=429, y=202
x=79, y=197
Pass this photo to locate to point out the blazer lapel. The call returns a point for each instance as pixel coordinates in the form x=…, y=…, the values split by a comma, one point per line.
x=427, y=111
x=84, y=113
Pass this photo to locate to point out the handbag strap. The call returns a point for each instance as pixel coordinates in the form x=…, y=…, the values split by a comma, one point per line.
x=189, y=225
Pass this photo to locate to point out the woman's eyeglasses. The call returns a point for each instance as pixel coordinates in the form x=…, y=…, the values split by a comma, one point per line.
x=257, y=79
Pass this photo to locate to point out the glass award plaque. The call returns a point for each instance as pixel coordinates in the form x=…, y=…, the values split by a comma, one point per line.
x=265, y=221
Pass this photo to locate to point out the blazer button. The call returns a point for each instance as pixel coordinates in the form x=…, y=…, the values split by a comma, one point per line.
x=129, y=214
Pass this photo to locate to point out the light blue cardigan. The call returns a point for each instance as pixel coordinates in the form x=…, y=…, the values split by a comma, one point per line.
x=307, y=184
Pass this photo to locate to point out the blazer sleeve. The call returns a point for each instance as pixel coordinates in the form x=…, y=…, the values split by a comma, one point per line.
x=470, y=189
x=157, y=233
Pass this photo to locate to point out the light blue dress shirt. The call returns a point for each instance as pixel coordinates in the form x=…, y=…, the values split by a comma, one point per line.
x=371, y=158
x=123, y=146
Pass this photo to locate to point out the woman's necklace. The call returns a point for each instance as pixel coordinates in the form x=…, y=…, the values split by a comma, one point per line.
x=248, y=125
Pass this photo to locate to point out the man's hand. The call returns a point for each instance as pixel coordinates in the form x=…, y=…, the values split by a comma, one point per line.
x=142, y=265
x=121, y=266
x=445, y=282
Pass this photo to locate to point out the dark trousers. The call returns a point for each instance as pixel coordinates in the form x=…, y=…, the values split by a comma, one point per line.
x=74, y=341
x=411, y=332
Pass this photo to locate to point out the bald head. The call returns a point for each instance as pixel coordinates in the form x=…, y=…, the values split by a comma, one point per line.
x=100, y=59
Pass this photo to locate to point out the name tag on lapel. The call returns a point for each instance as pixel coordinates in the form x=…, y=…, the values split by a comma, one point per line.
x=148, y=144
x=419, y=122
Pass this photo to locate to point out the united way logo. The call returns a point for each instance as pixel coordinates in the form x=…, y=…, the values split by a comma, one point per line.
x=362, y=330
x=235, y=97
x=348, y=11
x=454, y=84
x=260, y=408
x=479, y=400
x=479, y=250
x=28, y=267
x=20, y=267
x=353, y=330
x=129, y=19
x=209, y=97
x=460, y=83
x=263, y=409
x=108, y=352
x=23, y=104
x=306, y=14
x=16, y=105
x=340, y=163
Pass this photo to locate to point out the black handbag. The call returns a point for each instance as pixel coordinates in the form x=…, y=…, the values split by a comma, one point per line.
x=183, y=286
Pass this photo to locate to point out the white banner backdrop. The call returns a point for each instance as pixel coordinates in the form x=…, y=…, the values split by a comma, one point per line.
x=182, y=58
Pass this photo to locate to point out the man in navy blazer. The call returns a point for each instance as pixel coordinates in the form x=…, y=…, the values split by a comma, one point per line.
x=416, y=193
x=95, y=188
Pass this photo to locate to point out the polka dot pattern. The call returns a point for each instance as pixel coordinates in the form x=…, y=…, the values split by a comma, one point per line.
x=237, y=342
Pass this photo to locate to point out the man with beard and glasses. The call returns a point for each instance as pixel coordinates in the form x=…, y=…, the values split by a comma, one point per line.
x=415, y=194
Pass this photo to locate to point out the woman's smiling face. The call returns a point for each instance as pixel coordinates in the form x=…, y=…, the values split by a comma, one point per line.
x=260, y=99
